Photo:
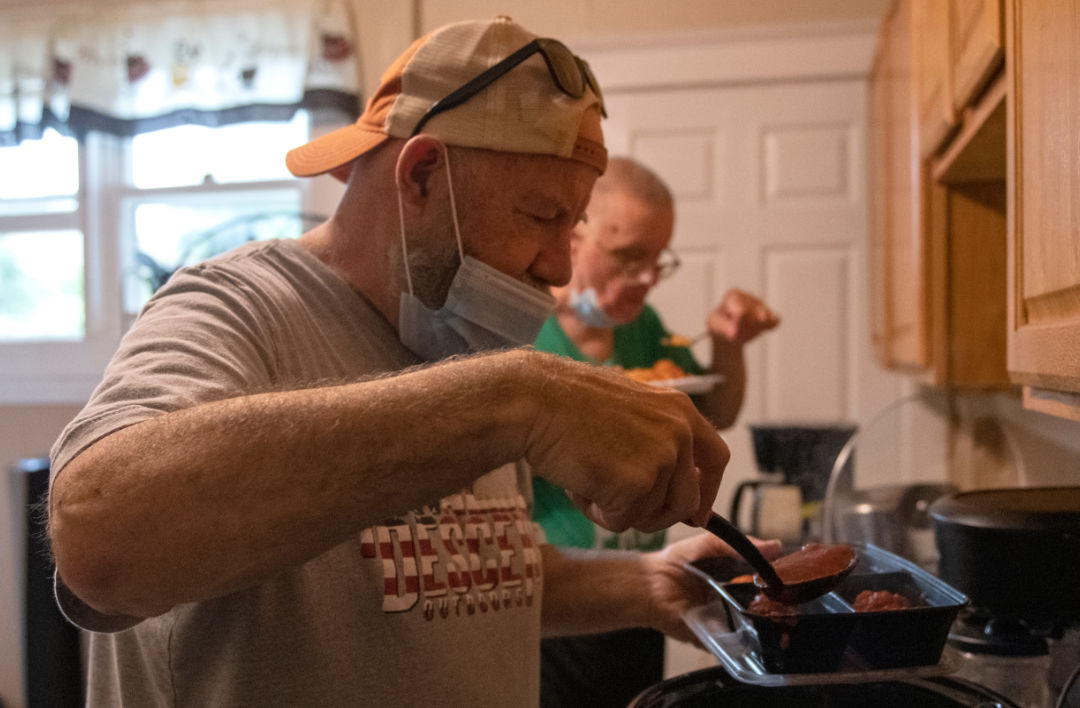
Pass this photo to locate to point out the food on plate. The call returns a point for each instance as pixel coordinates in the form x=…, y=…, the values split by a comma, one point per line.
x=661, y=370
x=676, y=340
x=748, y=578
x=880, y=600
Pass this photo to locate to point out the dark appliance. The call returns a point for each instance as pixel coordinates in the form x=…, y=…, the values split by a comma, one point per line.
x=53, y=671
x=793, y=454
x=800, y=453
x=1014, y=552
x=715, y=687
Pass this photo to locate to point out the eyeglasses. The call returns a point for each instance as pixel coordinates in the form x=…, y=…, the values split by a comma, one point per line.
x=570, y=72
x=661, y=268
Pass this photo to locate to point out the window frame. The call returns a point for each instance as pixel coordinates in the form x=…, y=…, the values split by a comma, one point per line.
x=66, y=372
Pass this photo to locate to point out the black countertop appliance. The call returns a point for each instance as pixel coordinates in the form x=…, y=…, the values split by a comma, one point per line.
x=800, y=453
x=793, y=454
x=1016, y=553
x=714, y=687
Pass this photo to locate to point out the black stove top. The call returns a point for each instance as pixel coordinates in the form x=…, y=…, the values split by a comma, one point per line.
x=980, y=632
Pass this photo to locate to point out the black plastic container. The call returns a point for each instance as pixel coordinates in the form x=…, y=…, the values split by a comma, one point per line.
x=828, y=635
x=810, y=642
x=915, y=636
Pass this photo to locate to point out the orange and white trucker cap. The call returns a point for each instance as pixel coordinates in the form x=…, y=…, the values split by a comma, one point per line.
x=522, y=111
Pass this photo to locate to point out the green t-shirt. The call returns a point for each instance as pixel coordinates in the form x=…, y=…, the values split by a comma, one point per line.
x=637, y=344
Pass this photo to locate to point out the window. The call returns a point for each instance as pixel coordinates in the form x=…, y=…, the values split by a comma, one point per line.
x=85, y=241
x=198, y=191
x=41, y=285
x=24, y=180
x=41, y=261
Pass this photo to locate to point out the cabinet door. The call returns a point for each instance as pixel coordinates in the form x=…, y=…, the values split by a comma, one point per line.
x=898, y=249
x=975, y=45
x=1043, y=133
x=930, y=36
x=877, y=121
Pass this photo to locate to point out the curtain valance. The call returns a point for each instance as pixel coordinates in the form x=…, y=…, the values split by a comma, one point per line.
x=126, y=69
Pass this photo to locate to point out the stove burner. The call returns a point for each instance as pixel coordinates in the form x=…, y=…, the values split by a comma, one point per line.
x=979, y=632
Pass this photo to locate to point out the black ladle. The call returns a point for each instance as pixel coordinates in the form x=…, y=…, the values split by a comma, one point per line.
x=770, y=582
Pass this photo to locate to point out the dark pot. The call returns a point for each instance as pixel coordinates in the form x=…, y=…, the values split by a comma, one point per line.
x=713, y=687
x=1013, y=551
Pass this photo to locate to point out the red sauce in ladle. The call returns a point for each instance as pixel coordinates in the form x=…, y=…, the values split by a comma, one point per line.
x=809, y=566
x=813, y=561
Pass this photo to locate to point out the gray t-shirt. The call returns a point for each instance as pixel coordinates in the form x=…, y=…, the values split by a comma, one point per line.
x=438, y=607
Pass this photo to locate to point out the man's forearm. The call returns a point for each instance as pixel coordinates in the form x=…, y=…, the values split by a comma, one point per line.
x=204, y=501
x=587, y=591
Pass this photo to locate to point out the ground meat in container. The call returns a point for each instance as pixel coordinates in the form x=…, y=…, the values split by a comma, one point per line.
x=767, y=607
x=879, y=601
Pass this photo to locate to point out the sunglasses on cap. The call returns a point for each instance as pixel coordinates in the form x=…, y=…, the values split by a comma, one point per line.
x=570, y=72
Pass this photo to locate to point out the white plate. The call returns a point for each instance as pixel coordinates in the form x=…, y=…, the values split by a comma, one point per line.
x=691, y=384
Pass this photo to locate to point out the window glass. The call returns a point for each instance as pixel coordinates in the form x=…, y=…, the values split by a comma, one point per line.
x=41, y=286
x=48, y=167
x=188, y=154
x=172, y=234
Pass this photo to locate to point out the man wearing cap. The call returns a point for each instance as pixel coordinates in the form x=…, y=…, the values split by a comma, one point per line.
x=304, y=478
x=619, y=254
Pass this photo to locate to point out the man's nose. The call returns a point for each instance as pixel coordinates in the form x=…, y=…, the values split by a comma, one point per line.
x=552, y=264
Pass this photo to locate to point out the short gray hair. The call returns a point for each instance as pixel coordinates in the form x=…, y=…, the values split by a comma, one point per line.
x=629, y=175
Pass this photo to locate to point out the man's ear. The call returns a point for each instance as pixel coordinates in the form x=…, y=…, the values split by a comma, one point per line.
x=421, y=161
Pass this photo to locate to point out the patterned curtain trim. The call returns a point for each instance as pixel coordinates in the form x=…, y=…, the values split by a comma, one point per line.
x=33, y=131
x=127, y=73
x=83, y=120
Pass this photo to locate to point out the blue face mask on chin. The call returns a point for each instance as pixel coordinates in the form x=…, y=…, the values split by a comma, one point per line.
x=485, y=309
x=586, y=306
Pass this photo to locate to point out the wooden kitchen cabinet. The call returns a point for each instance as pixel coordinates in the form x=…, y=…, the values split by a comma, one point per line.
x=958, y=47
x=899, y=325
x=938, y=209
x=968, y=284
x=1043, y=137
x=975, y=225
x=933, y=75
x=976, y=46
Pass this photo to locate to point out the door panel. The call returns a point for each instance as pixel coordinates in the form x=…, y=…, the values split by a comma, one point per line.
x=805, y=362
x=1044, y=134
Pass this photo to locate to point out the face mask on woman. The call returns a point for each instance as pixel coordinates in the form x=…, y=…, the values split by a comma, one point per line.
x=485, y=309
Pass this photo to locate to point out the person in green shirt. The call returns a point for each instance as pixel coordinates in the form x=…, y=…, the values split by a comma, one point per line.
x=619, y=253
